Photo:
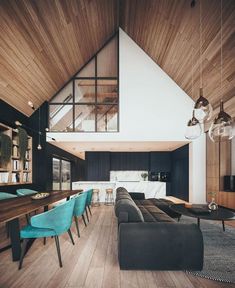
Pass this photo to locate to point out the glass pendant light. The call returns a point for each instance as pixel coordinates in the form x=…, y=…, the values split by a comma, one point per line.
x=203, y=109
x=193, y=129
x=221, y=128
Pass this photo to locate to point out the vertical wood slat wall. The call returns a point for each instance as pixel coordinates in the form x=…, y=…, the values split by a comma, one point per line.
x=218, y=164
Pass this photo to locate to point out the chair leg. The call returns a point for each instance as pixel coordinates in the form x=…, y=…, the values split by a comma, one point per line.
x=87, y=215
x=44, y=240
x=76, y=222
x=84, y=220
x=71, y=236
x=89, y=210
x=27, y=218
x=23, y=250
x=58, y=249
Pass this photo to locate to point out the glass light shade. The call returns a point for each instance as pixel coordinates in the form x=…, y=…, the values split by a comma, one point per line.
x=222, y=127
x=203, y=109
x=193, y=130
x=39, y=147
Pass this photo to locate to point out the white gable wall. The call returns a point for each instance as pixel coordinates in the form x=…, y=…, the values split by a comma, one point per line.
x=152, y=108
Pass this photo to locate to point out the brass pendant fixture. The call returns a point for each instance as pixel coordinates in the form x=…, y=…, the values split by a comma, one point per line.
x=221, y=129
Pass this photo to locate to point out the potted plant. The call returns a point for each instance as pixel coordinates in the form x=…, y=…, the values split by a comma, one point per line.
x=5, y=148
x=144, y=175
x=23, y=142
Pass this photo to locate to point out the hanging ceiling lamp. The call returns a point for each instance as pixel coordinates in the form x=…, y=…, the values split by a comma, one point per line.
x=203, y=109
x=193, y=129
x=221, y=128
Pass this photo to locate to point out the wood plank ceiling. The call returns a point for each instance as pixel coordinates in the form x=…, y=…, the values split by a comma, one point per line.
x=168, y=31
x=43, y=43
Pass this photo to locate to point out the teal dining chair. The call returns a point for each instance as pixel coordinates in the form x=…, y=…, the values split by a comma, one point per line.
x=79, y=209
x=25, y=192
x=52, y=223
x=4, y=195
x=88, y=202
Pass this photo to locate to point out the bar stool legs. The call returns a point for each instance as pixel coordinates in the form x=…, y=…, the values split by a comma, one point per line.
x=95, y=198
x=109, y=200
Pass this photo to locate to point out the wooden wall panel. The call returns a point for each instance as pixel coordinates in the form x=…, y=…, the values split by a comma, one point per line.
x=168, y=31
x=43, y=43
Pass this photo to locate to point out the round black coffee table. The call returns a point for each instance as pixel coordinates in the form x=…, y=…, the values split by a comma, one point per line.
x=221, y=214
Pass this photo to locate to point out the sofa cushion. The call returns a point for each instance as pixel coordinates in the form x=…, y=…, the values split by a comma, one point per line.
x=129, y=206
x=154, y=214
x=163, y=204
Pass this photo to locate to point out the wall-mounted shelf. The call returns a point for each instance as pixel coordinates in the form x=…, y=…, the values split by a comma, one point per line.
x=14, y=172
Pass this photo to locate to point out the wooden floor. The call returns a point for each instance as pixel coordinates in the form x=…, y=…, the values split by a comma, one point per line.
x=92, y=262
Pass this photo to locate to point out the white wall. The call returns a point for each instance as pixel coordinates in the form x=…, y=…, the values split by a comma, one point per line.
x=152, y=108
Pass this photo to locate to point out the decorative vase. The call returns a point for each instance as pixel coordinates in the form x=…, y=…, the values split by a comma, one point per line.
x=213, y=205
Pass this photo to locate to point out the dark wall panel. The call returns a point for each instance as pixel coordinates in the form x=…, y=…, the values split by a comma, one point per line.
x=98, y=166
x=180, y=173
x=42, y=159
x=160, y=161
x=129, y=161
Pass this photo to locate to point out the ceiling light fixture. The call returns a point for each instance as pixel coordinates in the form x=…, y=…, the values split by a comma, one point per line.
x=203, y=109
x=30, y=103
x=193, y=129
x=221, y=128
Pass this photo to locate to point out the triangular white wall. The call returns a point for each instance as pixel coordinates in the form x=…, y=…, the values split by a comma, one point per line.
x=152, y=108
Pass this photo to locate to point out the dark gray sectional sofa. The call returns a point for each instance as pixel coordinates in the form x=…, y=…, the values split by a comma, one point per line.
x=148, y=238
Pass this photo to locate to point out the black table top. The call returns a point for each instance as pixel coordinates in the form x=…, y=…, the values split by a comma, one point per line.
x=219, y=214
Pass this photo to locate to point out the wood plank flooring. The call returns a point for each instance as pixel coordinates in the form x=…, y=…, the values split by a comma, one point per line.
x=91, y=263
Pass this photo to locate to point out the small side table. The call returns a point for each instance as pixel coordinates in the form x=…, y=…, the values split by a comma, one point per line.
x=109, y=200
x=96, y=197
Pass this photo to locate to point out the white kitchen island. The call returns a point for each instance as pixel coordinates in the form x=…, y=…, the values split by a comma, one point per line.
x=151, y=189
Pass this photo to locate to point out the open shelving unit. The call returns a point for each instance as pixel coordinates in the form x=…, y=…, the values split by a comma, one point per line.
x=16, y=171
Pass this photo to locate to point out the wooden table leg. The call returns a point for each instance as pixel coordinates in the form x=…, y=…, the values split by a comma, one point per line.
x=198, y=222
x=14, y=229
x=223, y=225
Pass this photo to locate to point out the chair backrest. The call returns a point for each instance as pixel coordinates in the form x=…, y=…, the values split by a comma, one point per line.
x=89, y=196
x=4, y=195
x=59, y=219
x=80, y=204
x=25, y=192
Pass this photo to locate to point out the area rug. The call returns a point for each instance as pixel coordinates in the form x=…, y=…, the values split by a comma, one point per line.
x=219, y=251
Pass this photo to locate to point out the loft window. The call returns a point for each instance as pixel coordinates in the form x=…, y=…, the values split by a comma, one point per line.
x=89, y=102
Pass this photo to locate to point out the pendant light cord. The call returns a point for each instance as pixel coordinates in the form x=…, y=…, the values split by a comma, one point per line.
x=221, y=49
x=200, y=12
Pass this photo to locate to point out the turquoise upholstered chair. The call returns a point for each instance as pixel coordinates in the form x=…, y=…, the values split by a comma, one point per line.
x=25, y=192
x=88, y=201
x=79, y=209
x=51, y=223
x=4, y=195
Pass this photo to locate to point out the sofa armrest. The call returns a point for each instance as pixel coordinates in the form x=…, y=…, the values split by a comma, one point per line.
x=137, y=195
x=160, y=246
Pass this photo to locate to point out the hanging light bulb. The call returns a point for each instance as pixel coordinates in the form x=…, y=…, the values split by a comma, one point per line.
x=222, y=127
x=193, y=129
x=39, y=147
x=203, y=109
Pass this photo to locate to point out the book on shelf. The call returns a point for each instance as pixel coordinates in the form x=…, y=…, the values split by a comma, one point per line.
x=27, y=155
x=16, y=165
x=15, y=177
x=15, y=151
x=25, y=177
x=4, y=176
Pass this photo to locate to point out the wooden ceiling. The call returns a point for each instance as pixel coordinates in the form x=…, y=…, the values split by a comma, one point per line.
x=168, y=31
x=43, y=43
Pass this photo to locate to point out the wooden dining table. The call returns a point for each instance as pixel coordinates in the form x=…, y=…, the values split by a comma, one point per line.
x=12, y=209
